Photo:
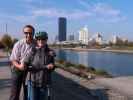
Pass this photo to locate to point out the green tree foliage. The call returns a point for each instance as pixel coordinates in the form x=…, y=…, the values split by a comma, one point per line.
x=6, y=40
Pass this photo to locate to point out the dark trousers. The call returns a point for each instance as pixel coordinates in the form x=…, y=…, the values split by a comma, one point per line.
x=39, y=93
x=18, y=80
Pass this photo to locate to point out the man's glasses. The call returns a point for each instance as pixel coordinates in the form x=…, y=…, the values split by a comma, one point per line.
x=26, y=33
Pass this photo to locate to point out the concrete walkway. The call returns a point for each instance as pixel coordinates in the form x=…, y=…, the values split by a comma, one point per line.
x=123, y=85
x=67, y=86
x=4, y=83
x=63, y=88
x=99, y=87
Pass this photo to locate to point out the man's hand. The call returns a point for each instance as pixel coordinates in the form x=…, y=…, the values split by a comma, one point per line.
x=18, y=65
x=21, y=67
x=50, y=66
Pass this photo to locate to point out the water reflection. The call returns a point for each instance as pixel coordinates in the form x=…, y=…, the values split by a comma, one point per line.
x=61, y=54
x=117, y=64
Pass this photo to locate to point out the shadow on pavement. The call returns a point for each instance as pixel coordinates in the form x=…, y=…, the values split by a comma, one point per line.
x=4, y=63
x=5, y=83
x=66, y=89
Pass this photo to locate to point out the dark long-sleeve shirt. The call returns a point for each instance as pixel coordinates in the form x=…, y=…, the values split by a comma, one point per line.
x=39, y=58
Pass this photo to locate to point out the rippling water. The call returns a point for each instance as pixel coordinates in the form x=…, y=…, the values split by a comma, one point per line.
x=117, y=64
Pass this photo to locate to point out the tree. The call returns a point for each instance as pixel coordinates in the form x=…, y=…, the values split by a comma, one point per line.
x=14, y=41
x=7, y=41
x=1, y=45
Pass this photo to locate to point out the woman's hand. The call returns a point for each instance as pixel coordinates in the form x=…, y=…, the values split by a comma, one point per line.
x=52, y=53
x=50, y=66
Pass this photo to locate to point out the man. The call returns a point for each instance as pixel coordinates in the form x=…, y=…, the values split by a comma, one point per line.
x=20, y=50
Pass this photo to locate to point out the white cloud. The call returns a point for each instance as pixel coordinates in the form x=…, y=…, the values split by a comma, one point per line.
x=113, y=20
x=28, y=1
x=98, y=11
x=106, y=13
x=55, y=13
x=79, y=14
x=84, y=4
x=24, y=19
x=105, y=9
x=103, y=12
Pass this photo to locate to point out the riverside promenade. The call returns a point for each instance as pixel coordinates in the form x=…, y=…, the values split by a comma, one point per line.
x=99, y=50
x=63, y=88
x=67, y=86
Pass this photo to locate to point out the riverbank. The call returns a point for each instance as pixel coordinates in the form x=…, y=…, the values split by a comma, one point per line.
x=103, y=88
x=75, y=87
x=82, y=70
x=114, y=89
x=62, y=87
x=97, y=50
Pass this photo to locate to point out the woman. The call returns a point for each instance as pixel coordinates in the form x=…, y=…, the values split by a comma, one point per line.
x=41, y=60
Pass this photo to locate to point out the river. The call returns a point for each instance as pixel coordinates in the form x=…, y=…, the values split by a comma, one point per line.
x=117, y=64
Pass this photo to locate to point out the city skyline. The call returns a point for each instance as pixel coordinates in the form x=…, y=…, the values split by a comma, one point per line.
x=107, y=17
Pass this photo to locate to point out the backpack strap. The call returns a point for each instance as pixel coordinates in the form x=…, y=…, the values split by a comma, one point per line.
x=33, y=52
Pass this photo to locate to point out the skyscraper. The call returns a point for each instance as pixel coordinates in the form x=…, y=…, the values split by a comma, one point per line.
x=71, y=37
x=62, y=28
x=83, y=35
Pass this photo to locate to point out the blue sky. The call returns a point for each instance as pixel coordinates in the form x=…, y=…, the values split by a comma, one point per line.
x=109, y=17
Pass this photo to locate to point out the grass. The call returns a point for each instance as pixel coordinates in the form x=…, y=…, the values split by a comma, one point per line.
x=81, y=70
x=61, y=61
x=80, y=66
x=68, y=64
x=102, y=72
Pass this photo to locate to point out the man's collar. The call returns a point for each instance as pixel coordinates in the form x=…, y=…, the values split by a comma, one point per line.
x=32, y=42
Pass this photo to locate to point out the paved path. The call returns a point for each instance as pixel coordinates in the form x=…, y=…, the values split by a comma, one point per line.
x=123, y=85
x=64, y=88
x=67, y=86
x=4, y=83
